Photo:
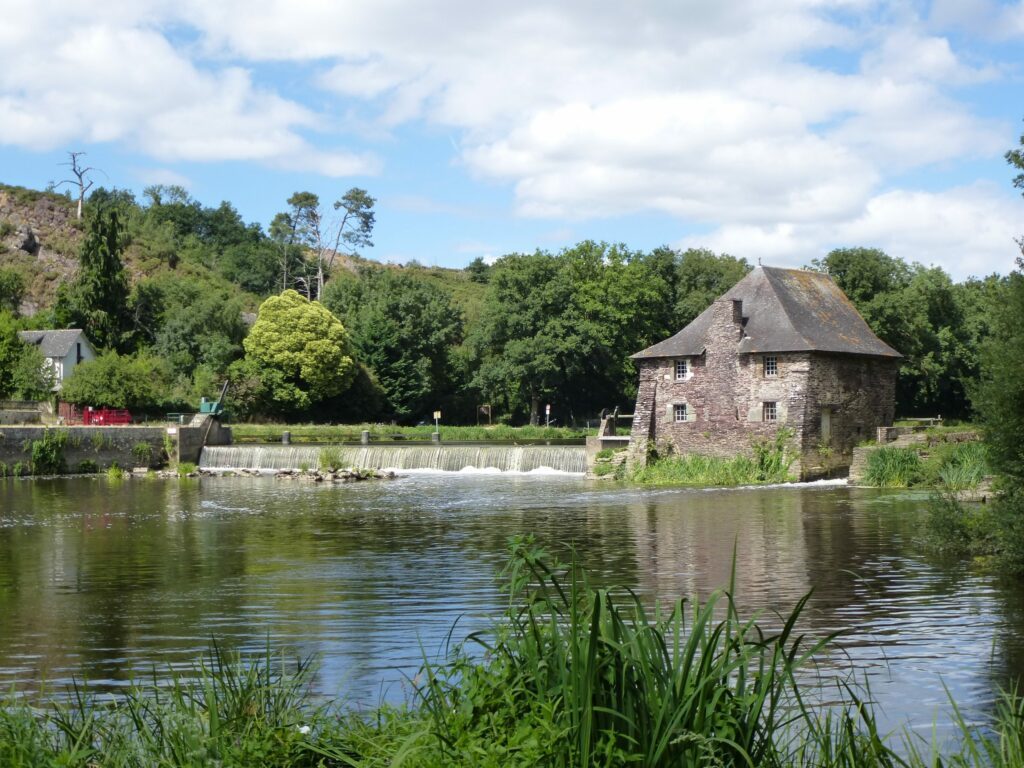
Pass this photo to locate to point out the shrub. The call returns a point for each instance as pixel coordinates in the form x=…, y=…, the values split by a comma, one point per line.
x=331, y=459
x=186, y=468
x=771, y=457
x=142, y=453
x=88, y=467
x=3, y=469
x=114, y=472
x=19, y=469
x=48, y=453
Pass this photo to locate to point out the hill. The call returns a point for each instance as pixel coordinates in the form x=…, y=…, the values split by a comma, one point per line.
x=40, y=237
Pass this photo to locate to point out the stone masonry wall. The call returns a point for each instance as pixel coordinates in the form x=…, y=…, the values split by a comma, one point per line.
x=860, y=395
x=725, y=394
x=100, y=445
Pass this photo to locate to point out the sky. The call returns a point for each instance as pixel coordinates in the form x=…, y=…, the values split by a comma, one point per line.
x=772, y=131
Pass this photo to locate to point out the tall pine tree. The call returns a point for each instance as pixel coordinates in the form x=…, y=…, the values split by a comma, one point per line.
x=97, y=300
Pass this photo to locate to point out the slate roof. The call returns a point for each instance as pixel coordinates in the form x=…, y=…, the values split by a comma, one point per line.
x=53, y=343
x=784, y=310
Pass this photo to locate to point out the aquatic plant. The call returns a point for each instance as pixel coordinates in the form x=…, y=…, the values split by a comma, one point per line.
x=48, y=453
x=570, y=675
x=186, y=468
x=142, y=452
x=893, y=467
x=114, y=472
x=331, y=459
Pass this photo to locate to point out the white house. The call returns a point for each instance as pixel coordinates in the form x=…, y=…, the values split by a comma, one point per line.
x=63, y=350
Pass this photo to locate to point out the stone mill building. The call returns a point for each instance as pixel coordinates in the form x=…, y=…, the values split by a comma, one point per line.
x=784, y=348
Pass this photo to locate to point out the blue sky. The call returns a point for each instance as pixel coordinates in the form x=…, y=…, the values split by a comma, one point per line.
x=773, y=132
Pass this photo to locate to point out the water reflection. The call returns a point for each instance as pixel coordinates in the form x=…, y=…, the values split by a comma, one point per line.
x=104, y=580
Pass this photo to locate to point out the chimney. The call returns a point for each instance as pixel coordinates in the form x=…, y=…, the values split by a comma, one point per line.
x=727, y=319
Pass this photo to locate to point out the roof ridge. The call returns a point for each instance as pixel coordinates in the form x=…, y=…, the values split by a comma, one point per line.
x=782, y=304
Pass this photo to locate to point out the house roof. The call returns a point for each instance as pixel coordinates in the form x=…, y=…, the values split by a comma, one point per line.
x=784, y=310
x=53, y=343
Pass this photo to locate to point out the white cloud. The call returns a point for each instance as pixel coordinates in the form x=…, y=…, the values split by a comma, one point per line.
x=966, y=230
x=165, y=176
x=783, y=125
x=112, y=81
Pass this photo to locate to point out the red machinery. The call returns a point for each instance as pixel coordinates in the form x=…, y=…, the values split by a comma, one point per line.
x=105, y=417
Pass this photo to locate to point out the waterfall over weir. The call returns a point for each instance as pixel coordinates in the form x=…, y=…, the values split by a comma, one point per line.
x=439, y=458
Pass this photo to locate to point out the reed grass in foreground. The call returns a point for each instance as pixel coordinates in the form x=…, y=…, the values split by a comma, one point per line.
x=572, y=676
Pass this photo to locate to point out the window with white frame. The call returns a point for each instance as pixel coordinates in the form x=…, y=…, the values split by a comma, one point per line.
x=771, y=365
x=769, y=411
x=682, y=369
x=680, y=411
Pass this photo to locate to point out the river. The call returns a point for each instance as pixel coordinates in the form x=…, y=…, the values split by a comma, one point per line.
x=102, y=580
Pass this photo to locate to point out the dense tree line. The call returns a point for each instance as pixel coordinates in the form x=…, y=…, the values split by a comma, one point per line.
x=179, y=296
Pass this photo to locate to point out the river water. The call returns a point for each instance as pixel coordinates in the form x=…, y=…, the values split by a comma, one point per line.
x=103, y=580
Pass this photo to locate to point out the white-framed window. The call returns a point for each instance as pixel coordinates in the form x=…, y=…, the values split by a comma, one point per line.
x=769, y=411
x=682, y=369
x=680, y=412
x=771, y=365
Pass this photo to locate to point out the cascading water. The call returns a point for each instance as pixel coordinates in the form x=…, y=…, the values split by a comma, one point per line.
x=454, y=458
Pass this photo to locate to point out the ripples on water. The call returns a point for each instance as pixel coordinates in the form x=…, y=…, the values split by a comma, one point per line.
x=105, y=581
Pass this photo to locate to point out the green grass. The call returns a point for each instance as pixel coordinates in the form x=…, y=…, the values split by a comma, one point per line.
x=330, y=459
x=952, y=466
x=892, y=467
x=336, y=433
x=769, y=464
x=570, y=676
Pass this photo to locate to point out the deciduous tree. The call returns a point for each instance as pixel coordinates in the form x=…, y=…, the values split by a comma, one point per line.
x=404, y=329
x=300, y=350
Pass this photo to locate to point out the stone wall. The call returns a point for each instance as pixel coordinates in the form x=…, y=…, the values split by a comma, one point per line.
x=725, y=391
x=860, y=395
x=102, y=446
x=9, y=416
x=190, y=438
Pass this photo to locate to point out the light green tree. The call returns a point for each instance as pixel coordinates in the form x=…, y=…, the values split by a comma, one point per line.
x=301, y=350
x=118, y=381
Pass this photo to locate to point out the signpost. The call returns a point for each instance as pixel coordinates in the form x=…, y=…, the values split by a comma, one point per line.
x=436, y=437
x=547, y=415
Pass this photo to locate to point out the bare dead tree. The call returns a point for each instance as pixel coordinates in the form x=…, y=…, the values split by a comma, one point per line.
x=81, y=179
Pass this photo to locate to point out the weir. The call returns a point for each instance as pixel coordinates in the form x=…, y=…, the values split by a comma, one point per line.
x=454, y=458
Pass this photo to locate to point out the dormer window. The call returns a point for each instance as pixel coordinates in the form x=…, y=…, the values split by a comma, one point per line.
x=771, y=365
x=682, y=370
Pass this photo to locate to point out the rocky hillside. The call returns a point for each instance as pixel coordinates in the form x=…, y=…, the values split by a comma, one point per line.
x=40, y=237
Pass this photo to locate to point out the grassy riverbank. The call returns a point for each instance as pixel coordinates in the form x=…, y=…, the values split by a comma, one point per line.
x=769, y=462
x=571, y=676
x=952, y=466
x=337, y=433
